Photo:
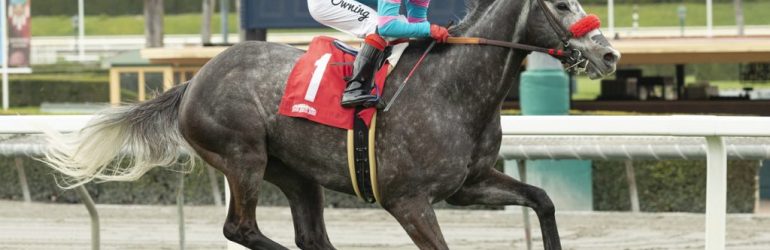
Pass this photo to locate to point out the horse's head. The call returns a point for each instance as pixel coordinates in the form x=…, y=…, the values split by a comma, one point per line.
x=564, y=24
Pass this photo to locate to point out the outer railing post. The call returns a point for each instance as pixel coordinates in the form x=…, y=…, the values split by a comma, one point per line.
x=214, y=185
x=716, y=193
x=180, y=210
x=86, y=198
x=633, y=194
x=23, y=180
x=522, y=164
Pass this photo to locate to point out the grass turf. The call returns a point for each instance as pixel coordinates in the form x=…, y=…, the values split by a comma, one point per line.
x=651, y=15
x=665, y=14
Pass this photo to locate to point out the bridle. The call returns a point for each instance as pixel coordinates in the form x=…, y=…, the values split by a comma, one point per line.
x=576, y=59
x=564, y=34
x=567, y=55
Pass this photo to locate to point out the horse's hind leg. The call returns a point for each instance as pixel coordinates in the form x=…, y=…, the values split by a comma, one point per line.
x=494, y=188
x=416, y=216
x=306, y=201
x=244, y=167
x=244, y=180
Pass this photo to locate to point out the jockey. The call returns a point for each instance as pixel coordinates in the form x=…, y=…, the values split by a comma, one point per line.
x=356, y=18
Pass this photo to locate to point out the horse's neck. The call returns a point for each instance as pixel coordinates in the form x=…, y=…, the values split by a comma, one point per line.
x=494, y=20
x=483, y=73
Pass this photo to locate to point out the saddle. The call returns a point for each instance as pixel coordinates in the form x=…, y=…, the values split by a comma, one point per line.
x=313, y=92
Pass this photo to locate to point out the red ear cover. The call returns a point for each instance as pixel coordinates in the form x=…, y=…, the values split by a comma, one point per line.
x=585, y=25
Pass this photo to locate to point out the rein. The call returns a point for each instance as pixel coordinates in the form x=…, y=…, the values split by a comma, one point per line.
x=567, y=54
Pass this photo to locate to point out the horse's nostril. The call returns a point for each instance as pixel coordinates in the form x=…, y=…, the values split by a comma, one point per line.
x=610, y=57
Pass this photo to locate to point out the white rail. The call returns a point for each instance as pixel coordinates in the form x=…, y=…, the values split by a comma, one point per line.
x=713, y=128
x=35, y=124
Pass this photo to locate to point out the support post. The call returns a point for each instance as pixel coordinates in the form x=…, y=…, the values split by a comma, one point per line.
x=679, y=81
x=214, y=185
x=86, y=198
x=716, y=193
x=709, y=19
x=757, y=199
x=153, y=23
x=4, y=54
x=81, y=32
x=207, y=9
x=224, y=9
x=23, y=180
x=168, y=78
x=522, y=164
x=611, y=18
x=739, y=20
x=114, y=87
x=256, y=35
x=140, y=84
x=633, y=194
x=180, y=210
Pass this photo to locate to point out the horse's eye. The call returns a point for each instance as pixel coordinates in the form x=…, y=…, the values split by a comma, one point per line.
x=562, y=6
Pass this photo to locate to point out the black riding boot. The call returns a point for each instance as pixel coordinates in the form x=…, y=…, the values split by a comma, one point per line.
x=358, y=92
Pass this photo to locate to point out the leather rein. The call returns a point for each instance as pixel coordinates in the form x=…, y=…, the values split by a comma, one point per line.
x=567, y=55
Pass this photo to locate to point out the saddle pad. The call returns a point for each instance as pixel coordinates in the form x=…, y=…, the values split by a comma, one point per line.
x=315, y=85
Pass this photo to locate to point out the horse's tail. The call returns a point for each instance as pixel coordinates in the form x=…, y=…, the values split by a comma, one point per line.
x=121, y=144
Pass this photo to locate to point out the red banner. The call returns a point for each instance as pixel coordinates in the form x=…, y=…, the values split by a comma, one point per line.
x=18, y=20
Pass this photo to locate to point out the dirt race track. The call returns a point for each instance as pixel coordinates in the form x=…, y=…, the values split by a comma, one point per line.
x=53, y=226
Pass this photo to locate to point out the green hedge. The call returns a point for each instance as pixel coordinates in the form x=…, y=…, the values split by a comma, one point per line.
x=33, y=92
x=664, y=186
x=671, y=186
x=159, y=186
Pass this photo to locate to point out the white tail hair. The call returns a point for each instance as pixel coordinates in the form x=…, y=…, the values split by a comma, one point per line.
x=120, y=144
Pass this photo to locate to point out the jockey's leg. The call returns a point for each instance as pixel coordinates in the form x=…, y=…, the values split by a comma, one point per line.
x=358, y=91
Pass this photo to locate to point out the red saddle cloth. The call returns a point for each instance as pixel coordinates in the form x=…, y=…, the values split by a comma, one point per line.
x=315, y=85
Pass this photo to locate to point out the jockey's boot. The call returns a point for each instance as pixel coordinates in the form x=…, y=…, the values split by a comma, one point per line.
x=359, y=88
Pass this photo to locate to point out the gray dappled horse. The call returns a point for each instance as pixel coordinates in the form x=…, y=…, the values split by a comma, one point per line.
x=439, y=142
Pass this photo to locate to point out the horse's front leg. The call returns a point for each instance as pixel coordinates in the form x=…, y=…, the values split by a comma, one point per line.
x=494, y=188
x=416, y=216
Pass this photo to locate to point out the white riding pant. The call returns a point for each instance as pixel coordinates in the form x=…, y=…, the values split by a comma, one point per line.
x=349, y=16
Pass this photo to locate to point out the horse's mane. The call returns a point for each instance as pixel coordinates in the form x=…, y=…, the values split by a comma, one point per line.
x=474, y=9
